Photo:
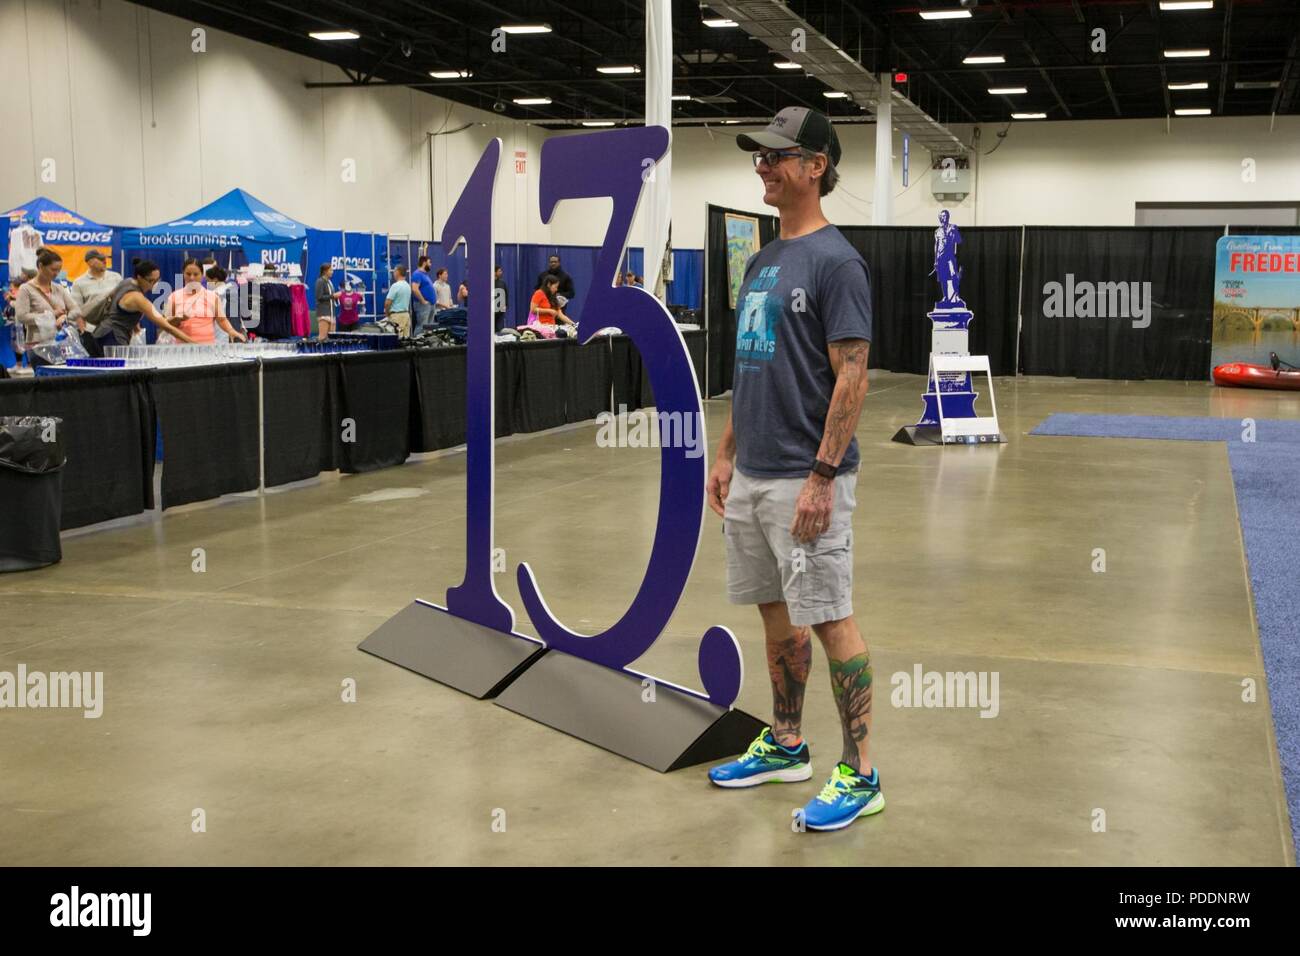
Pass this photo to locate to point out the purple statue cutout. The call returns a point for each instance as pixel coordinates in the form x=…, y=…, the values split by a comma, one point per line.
x=610, y=164
x=476, y=598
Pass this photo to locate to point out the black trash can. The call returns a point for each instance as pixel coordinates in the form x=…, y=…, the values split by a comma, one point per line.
x=31, y=492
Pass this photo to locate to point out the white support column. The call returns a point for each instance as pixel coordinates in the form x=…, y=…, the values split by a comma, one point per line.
x=882, y=204
x=658, y=112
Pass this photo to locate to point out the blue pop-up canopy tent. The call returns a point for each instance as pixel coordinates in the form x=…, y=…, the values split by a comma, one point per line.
x=66, y=232
x=236, y=220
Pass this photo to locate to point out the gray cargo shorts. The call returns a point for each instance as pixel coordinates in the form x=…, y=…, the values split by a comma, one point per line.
x=764, y=562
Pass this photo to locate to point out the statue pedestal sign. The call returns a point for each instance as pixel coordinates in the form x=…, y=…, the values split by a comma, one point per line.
x=581, y=684
x=948, y=415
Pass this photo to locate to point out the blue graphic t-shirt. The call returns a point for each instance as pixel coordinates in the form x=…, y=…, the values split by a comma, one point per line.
x=797, y=295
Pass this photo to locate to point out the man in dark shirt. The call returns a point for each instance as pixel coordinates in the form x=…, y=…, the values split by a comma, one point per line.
x=565, y=291
x=786, y=468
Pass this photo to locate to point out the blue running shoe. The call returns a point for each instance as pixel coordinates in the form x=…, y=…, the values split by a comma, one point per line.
x=764, y=761
x=847, y=796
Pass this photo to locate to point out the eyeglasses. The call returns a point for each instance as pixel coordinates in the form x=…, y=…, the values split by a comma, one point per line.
x=772, y=157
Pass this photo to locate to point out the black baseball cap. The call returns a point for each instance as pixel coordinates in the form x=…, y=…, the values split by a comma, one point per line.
x=795, y=126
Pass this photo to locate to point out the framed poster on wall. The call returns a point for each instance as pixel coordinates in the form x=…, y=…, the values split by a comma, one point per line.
x=742, y=242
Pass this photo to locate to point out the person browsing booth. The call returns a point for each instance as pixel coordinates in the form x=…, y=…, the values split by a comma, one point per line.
x=397, y=304
x=786, y=468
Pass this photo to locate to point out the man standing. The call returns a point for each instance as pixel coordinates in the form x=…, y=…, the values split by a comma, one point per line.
x=97, y=280
x=422, y=290
x=565, y=291
x=442, y=292
x=786, y=466
x=397, y=304
x=500, y=299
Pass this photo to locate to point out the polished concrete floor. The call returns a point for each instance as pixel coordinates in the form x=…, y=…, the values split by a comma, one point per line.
x=1120, y=692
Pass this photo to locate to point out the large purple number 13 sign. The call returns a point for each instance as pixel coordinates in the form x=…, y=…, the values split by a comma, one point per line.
x=610, y=164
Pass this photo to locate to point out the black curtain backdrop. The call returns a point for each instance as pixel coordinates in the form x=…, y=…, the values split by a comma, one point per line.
x=539, y=384
x=300, y=398
x=588, y=376
x=208, y=419
x=697, y=344
x=627, y=374
x=719, y=317
x=509, y=368
x=107, y=433
x=375, y=393
x=1179, y=264
x=1177, y=261
x=438, y=415
x=900, y=258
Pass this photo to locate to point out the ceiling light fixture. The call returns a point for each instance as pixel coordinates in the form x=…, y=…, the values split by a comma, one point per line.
x=834, y=95
x=450, y=74
x=1180, y=54
x=335, y=35
x=787, y=65
x=946, y=14
x=533, y=101
x=525, y=28
x=979, y=60
x=720, y=23
x=1029, y=116
x=1189, y=86
x=618, y=69
x=1186, y=4
x=1007, y=90
x=1193, y=111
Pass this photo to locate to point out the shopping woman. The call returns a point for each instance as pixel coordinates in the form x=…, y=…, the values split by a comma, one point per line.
x=129, y=303
x=198, y=311
x=43, y=306
x=544, y=308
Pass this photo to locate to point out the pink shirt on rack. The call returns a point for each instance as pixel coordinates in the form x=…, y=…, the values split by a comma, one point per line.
x=299, y=313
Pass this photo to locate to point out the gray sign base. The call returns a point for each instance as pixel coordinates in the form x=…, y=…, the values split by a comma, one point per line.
x=451, y=650
x=919, y=435
x=608, y=708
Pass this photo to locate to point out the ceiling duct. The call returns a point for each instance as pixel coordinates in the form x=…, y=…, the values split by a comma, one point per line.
x=773, y=23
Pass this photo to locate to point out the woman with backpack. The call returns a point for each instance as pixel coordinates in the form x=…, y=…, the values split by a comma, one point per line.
x=119, y=314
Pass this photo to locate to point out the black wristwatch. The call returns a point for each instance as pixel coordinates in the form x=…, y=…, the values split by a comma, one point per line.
x=820, y=467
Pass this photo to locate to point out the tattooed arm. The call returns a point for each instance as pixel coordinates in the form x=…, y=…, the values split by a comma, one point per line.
x=812, y=513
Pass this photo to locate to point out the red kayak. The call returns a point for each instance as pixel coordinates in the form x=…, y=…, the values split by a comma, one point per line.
x=1240, y=375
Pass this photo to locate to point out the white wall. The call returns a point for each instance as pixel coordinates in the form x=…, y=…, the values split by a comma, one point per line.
x=142, y=129
x=1068, y=173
